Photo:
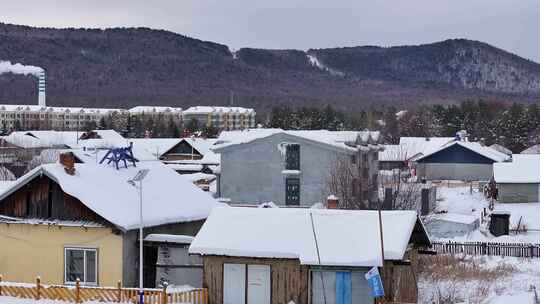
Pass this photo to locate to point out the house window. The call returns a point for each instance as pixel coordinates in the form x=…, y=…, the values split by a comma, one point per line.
x=292, y=191
x=292, y=157
x=80, y=263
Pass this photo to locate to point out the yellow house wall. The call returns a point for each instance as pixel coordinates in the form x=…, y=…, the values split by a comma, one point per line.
x=28, y=251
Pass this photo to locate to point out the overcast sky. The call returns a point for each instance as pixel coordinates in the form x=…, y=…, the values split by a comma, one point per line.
x=513, y=25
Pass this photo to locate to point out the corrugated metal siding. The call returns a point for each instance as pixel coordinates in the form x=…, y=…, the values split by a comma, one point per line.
x=518, y=193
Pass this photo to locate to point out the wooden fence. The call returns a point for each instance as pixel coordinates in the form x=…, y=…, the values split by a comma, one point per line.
x=522, y=250
x=80, y=294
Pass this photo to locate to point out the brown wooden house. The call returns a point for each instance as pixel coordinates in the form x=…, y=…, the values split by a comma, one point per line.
x=278, y=255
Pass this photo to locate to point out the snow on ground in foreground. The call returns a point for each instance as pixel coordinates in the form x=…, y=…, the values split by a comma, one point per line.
x=512, y=287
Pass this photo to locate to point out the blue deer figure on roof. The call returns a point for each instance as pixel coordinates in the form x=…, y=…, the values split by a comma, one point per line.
x=117, y=155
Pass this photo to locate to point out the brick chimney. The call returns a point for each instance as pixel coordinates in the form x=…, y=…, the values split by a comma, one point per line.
x=332, y=202
x=68, y=161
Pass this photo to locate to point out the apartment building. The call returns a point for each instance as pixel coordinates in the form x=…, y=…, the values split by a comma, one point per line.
x=35, y=117
x=222, y=118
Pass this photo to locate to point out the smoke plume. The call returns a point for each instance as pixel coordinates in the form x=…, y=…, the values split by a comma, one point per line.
x=17, y=68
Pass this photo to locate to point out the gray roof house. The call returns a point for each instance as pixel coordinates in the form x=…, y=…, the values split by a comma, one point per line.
x=459, y=160
x=293, y=167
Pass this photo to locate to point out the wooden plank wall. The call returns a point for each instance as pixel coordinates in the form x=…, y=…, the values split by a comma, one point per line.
x=44, y=199
x=289, y=278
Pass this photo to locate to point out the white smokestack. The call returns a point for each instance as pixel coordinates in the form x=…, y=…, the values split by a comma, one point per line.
x=17, y=68
x=41, y=89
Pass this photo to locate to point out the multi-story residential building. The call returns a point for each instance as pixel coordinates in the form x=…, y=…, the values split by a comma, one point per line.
x=34, y=117
x=222, y=118
x=296, y=168
x=158, y=111
x=25, y=117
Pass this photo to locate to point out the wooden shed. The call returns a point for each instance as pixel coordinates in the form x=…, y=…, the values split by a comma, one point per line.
x=275, y=255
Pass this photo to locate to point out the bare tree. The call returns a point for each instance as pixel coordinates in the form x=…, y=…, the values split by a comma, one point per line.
x=343, y=174
x=6, y=175
x=47, y=156
x=405, y=192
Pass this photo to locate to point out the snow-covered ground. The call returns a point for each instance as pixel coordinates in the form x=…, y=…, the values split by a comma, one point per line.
x=481, y=279
x=458, y=201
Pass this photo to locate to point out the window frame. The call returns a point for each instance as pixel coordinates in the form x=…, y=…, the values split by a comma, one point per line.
x=288, y=157
x=286, y=191
x=83, y=281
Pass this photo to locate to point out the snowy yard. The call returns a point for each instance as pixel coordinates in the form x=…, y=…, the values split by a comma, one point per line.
x=458, y=203
x=481, y=280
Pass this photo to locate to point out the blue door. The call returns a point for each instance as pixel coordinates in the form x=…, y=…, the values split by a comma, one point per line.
x=343, y=288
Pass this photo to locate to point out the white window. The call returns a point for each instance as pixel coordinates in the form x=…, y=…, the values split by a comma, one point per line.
x=82, y=264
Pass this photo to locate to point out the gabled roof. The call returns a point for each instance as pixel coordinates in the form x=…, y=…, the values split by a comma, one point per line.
x=532, y=150
x=345, y=140
x=475, y=147
x=68, y=139
x=501, y=149
x=412, y=148
x=522, y=169
x=211, y=109
x=345, y=237
x=155, y=146
x=167, y=197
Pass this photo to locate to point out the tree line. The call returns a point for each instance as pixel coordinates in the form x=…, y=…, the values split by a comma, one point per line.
x=515, y=126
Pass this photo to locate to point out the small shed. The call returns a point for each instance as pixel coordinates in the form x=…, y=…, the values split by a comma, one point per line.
x=459, y=160
x=450, y=225
x=278, y=255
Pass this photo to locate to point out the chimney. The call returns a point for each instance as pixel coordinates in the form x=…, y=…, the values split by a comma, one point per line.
x=41, y=89
x=68, y=161
x=332, y=202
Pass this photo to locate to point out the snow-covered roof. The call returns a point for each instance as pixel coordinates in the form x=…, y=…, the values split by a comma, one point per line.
x=413, y=147
x=71, y=139
x=487, y=152
x=454, y=218
x=517, y=172
x=532, y=150
x=155, y=146
x=338, y=139
x=154, y=109
x=168, y=198
x=501, y=149
x=212, y=109
x=345, y=237
x=38, y=108
x=169, y=238
x=204, y=147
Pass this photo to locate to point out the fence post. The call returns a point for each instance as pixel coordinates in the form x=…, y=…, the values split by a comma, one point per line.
x=38, y=288
x=165, y=296
x=119, y=291
x=78, y=291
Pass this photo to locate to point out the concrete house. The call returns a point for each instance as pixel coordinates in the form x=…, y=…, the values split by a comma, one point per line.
x=292, y=168
x=283, y=255
x=65, y=221
x=518, y=181
x=459, y=160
